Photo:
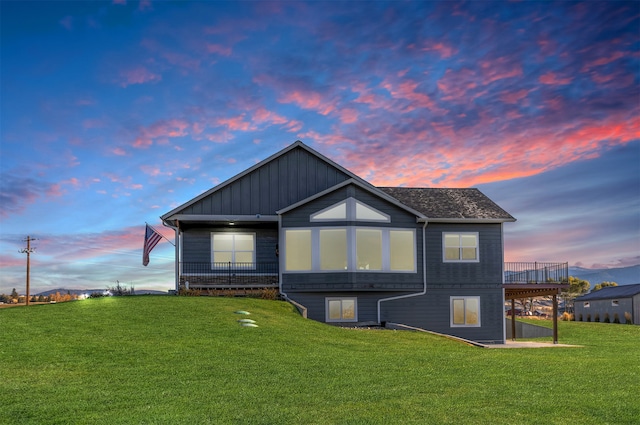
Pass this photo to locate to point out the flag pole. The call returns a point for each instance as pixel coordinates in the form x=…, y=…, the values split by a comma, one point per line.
x=161, y=235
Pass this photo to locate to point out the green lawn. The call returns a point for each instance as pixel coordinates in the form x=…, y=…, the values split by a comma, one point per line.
x=171, y=360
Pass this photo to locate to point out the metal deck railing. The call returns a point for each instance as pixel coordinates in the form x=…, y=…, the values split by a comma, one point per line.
x=260, y=274
x=536, y=272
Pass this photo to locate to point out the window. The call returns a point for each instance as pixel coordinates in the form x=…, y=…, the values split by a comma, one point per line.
x=465, y=311
x=333, y=249
x=369, y=249
x=615, y=303
x=235, y=248
x=350, y=210
x=350, y=248
x=402, y=250
x=587, y=304
x=298, y=251
x=341, y=310
x=460, y=247
x=334, y=212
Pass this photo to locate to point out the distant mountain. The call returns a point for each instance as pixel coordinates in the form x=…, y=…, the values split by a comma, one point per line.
x=621, y=275
x=91, y=291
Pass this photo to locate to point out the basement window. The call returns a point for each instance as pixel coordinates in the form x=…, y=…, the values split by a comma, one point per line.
x=342, y=309
x=465, y=311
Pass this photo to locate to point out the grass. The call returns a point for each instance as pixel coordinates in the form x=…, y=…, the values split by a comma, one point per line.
x=175, y=360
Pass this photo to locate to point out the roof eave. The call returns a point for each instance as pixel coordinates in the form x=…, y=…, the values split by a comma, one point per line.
x=467, y=220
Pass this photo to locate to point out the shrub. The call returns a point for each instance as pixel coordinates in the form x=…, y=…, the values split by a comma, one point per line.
x=627, y=317
x=588, y=317
x=606, y=318
x=580, y=317
x=566, y=317
x=96, y=295
x=616, y=318
x=120, y=290
x=596, y=318
x=189, y=292
x=269, y=294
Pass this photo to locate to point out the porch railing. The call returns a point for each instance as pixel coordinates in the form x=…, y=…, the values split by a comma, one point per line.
x=535, y=272
x=261, y=274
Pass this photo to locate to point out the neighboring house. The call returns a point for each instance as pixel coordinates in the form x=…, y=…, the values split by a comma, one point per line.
x=615, y=301
x=349, y=252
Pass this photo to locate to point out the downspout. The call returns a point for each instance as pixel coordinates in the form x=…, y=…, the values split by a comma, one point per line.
x=424, y=273
x=302, y=309
x=513, y=314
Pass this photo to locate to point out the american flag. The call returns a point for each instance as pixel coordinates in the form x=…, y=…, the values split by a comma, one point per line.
x=151, y=239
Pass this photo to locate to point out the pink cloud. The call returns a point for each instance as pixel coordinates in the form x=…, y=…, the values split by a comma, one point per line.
x=161, y=131
x=551, y=78
x=309, y=100
x=234, y=124
x=499, y=69
x=137, y=75
x=219, y=49
x=11, y=261
x=514, y=97
x=444, y=50
x=407, y=90
x=118, y=151
x=459, y=86
x=603, y=60
x=348, y=115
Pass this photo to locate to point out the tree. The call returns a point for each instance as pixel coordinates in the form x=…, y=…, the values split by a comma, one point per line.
x=14, y=293
x=577, y=287
x=599, y=286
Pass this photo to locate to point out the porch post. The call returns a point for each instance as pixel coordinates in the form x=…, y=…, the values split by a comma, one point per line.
x=513, y=319
x=555, y=319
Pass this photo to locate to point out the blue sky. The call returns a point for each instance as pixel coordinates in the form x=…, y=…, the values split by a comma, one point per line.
x=113, y=113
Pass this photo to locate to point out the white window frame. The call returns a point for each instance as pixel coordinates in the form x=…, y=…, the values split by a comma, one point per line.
x=244, y=264
x=341, y=299
x=460, y=259
x=465, y=324
x=587, y=304
x=615, y=303
x=352, y=265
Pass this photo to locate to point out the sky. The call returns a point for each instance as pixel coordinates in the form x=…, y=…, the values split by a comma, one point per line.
x=114, y=113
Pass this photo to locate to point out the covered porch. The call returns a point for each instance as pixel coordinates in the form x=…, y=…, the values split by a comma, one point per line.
x=532, y=280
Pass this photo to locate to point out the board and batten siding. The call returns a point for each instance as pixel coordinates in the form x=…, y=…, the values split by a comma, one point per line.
x=277, y=184
x=196, y=243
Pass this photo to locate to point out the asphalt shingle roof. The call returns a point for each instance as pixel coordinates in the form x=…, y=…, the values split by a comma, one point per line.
x=622, y=291
x=438, y=203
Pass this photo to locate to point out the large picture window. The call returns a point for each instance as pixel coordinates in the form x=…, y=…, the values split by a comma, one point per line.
x=333, y=249
x=298, y=252
x=369, y=249
x=235, y=248
x=465, y=311
x=460, y=247
x=350, y=249
x=341, y=310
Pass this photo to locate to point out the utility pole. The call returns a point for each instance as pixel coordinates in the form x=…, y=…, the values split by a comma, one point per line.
x=28, y=250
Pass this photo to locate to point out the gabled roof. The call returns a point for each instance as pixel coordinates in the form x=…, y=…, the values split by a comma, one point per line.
x=609, y=292
x=450, y=204
x=272, y=158
x=371, y=189
x=428, y=204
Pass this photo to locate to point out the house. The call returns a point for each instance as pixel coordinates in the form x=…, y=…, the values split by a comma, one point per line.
x=350, y=253
x=613, y=302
